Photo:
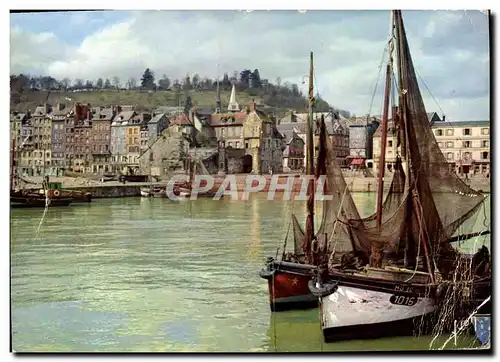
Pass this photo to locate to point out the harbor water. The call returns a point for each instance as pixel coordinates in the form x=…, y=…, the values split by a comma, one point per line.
x=155, y=275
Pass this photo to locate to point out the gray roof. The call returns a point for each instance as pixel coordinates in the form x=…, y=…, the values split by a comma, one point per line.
x=124, y=116
x=461, y=124
x=157, y=118
x=18, y=117
x=40, y=111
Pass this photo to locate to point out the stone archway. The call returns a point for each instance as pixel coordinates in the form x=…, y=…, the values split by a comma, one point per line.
x=247, y=162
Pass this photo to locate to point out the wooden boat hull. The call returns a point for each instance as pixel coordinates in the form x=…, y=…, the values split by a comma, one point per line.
x=354, y=313
x=29, y=202
x=288, y=286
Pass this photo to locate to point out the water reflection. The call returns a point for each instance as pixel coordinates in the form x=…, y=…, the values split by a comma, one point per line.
x=157, y=275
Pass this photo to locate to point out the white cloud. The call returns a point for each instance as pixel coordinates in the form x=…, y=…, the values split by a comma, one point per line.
x=448, y=52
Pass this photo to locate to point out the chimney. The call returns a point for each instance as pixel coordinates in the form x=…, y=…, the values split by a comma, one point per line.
x=252, y=105
x=444, y=118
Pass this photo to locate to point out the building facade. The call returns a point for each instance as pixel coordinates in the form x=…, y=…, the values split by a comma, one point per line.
x=42, y=135
x=101, y=140
x=59, y=116
x=293, y=154
x=156, y=126
x=466, y=145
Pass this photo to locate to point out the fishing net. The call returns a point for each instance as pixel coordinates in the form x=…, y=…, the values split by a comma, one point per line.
x=429, y=171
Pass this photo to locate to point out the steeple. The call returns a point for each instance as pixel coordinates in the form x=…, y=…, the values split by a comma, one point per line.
x=233, y=106
x=218, y=105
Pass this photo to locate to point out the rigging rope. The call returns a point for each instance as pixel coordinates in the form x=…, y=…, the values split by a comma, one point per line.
x=47, y=203
x=378, y=79
x=465, y=323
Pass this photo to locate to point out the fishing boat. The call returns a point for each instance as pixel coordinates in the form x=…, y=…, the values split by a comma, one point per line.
x=288, y=278
x=402, y=275
x=187, y=188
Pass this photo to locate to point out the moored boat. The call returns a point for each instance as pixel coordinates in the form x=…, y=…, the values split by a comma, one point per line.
x=415, y=282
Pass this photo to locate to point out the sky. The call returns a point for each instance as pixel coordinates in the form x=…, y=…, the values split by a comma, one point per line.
x=450, y=50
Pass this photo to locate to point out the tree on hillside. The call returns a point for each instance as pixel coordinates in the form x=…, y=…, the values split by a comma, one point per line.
x=116, y=82
x=88, y=85
x=245, y=77
x=226, y=83
x=47, y=83
x=196, y=81
x=107, y=84
x=148, y=80
x=176, y=84
x=234, y=78
x=66, y=82
x=78, y=83
x=255, y=79
x=186, y=83
x=188, y=104
x=164, y=83
x=131, y=83
x=278, y=82
x=99, y=84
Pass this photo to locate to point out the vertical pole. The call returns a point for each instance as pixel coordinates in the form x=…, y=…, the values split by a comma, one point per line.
x=383, y=129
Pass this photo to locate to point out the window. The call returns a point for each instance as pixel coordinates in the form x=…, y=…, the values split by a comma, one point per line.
x=229, y=144
x=485, y=131
x=449, y=155
x=246, y=144
x=449, y=132
x=466, y=144
x=439, y=132
x=390, y=144
x=440, y=144
x=449, y=144
x=485, y=144
x=467, y=132
x=484, y=155
x=237, y=144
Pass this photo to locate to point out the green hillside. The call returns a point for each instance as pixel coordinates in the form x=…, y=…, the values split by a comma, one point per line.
x=142, y=100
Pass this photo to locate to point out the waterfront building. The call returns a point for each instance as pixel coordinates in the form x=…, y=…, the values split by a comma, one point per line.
x=42, y=136
x=118, y=140
x=21, y=132
x=58, y=116
x=101, y=139
x=80, y=139
x=337, y=131
x=133, y=139
x=293, y=154
x=466, y=145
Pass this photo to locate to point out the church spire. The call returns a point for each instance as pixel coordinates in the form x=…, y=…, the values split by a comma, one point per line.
x=233, y=106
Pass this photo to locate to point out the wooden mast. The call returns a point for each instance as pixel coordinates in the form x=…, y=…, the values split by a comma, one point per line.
x=383, y=130
x=309, y=234
x=404, y=119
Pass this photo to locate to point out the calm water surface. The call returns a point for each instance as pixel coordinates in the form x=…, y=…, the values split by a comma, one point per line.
x=145, y=275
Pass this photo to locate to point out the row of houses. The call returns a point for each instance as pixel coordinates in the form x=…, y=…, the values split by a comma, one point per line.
x=246, y=139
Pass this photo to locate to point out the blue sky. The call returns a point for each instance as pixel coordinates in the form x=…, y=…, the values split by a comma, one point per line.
x=449, y=49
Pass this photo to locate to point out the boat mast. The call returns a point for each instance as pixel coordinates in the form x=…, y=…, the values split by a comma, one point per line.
x=310, y=165
x=383, y=130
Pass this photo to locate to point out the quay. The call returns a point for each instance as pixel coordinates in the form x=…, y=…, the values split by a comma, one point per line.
x=115, y=189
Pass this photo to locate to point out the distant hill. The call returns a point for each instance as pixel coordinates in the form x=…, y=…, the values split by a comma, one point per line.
x=26, y=93
x=142, y=100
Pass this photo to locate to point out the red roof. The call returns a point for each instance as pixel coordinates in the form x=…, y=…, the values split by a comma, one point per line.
x=181, y=120
x=358, y=161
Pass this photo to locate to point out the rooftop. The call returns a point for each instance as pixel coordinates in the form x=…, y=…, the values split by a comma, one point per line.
x=461, y=124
